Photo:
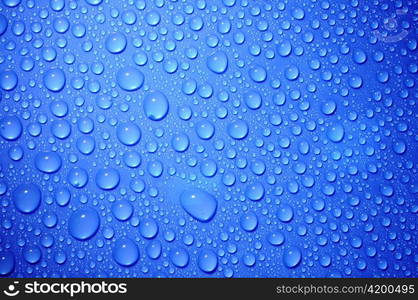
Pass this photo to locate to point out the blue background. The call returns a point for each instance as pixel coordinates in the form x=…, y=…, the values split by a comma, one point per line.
x=293, y=124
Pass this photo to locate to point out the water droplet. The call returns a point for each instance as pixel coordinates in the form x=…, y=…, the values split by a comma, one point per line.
x=32, y=254
x=238, y=129
x=254, y=191
x=276, y=238
x=292, y=257
x=128, y=134
x=155, y=168
x=132, y=159
x=336, y=133
x=148, y=228
x=399, y=147
x=54, y=80
x=116, y=43
x=130, y=79
x=285, y=213
x=359, y=56
x=86, y=144
x=154, y=249
x=249, y=222
x=180, y=142
x=125, y=252
x=62, y=196
x=253, y=99
x=199, y=204
x=217, y=62
x=27, y=197
x=48, y=162
x=94, y=2
x=61, y=129
x=292, y=73
x=284, y=48
x=179, y=257
x=122, y=210
x=207, y=261
x=8, y=80
x=78, y=177
x=153, y=18
x=205, y=130
x=258, y=74
x=10, y=128
x=84, y=223
x=155, y=106
x=355, y=81
x=3, y=24
x=208, y=168
x=7, y=263
x=328, y=107
x=107, y=178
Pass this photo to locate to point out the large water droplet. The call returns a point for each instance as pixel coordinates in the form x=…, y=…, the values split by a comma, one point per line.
x=27, y=197
x=253, y=99
x=10, y=128
x=207, y=261
x=399, y=147
x=208, y=168
x=199, y=204
x=254, y=191
x=154, y=249
x=62, y=196
x=125, y=252
x=285, y=213
x=238, y=129
x=84, y=223
x=78, y=177
x=258, y=74
x=48, y=162
x=336, y=133
x=156, y=106
x=179, y=257
x=32, y=254
x=205, y=130
x=116, y=43
x=3, y=24
x=359, y=56
x=217, y=62
x=8, y=80
x=107, y=178
x=94, y=2
x=153, y=18
x=284, y=48
x=292, y=257
x=86, y=144
x=276, y=238
x=54, y=80
x=328, y=107
x=249, y=221
x=128, y=134
x=180, y=142
x=355, y=81
x=61, y=129
x=148, y=228
x=130, y=79
x=7, y=263
x=122, y=210
x=292, y=73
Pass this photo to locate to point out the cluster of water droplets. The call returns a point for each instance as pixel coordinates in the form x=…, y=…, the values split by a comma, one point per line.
x=208, y=138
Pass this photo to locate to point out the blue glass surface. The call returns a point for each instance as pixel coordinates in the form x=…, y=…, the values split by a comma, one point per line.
x=227, y=138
